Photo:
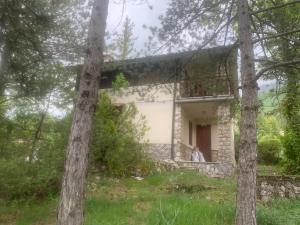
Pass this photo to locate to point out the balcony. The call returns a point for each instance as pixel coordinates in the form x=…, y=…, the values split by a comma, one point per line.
x=205, y=87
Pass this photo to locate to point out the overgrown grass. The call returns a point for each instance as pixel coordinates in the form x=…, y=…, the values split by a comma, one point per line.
x=267, y=170
x=30, y=211
x=170, y=198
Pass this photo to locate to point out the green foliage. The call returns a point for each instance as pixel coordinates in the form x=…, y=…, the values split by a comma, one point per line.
x=119, y=83
x=269, y=133
x=269, y=125
x=282, y=20
x=21, y=177
x=117, y=142
x=182, y=25
x=291, y=140
x=291, y=143
x=269, y=150
x=39, y=37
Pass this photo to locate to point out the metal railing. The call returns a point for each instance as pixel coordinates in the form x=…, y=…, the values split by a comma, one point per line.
x=206, y=86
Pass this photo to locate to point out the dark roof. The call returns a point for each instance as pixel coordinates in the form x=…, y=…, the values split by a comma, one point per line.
x=162, y=68
x=182, y=56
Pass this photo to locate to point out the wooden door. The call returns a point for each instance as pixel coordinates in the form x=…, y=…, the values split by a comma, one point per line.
x=203, y=141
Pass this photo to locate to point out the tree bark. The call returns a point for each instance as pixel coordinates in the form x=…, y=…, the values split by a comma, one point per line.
x=72, y=197
x=246, y=184
x=3, y=69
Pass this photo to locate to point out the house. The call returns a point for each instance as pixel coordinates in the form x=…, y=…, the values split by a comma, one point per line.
x=187, y=99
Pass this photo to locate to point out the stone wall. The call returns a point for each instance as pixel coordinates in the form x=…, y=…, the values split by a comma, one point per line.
x=185, y=152
x=214, y=155
x=178, y=131
x=210, y=169
x=216, y=169
x=269, y=187
x=159, y=152
x=224, y=134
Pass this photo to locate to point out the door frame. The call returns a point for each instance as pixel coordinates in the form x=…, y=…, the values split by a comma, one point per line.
x=208, y=152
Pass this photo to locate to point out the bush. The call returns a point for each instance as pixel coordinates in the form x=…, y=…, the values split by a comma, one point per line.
x=269, y=150
x=291, y=145
x=117, y=141
x=21, y=178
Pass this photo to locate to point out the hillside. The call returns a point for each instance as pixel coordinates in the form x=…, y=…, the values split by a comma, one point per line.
x=169, y=198
x=267, y=95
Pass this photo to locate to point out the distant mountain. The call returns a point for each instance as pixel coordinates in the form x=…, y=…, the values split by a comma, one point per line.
x=267, y=97
x=266, y=86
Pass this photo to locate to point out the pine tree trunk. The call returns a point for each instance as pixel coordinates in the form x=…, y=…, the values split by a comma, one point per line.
x=72, y=197
x=246, y=184
x=3, y=69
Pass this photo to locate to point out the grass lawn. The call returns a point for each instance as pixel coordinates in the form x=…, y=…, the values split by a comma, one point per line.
x=170, y=198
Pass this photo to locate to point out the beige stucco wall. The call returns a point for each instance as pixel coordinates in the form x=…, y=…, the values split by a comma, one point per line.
x=156, y=104
x=159, y=120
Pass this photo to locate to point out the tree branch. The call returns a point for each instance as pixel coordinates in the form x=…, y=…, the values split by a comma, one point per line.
x=276, y=35
x=281, y=64
x=258, y=36
x=276, y=7
x=228, y=18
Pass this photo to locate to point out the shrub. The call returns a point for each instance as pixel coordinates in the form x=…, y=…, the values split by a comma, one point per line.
x=291, y=145
x=21, y=178
x=117, y=141
x=269, y=150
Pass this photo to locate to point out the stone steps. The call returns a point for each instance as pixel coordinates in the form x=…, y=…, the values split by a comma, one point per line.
x=193, y=164
x=188, y=167
x=212, y=169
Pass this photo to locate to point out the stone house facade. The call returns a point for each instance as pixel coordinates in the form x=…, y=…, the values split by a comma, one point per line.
x=187, y=99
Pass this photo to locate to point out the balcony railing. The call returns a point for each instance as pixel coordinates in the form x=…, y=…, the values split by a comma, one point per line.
x=206, y=86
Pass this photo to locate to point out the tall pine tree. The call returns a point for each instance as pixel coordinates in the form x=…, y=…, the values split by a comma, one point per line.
x=72, y=197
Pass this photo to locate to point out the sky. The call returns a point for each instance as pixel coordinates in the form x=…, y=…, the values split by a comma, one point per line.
x=139, y=12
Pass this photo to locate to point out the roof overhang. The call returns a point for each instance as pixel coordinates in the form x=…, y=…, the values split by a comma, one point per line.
x=205, y=99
